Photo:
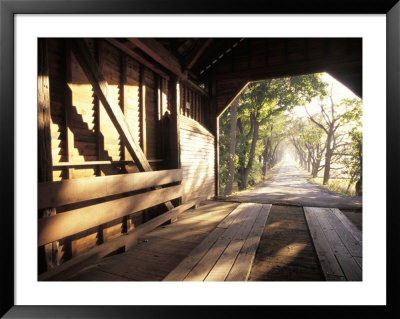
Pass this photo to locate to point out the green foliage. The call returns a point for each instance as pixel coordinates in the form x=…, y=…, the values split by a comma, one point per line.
x=262, y=125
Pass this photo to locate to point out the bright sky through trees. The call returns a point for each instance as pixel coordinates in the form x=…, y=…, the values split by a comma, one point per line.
x=339, y=92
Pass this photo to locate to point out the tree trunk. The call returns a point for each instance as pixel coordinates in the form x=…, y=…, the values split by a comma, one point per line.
x=328, y=156
x=232, y=147
x=359, y=187
x=359, y=182
x=245, y=171
x=266, y=152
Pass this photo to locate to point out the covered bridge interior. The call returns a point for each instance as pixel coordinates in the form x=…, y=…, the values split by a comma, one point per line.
x=128, y=131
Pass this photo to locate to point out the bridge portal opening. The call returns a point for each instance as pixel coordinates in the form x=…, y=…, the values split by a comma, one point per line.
x=290, y=128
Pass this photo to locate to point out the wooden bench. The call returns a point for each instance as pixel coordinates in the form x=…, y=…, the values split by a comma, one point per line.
x=337, y=242
x=228, y=252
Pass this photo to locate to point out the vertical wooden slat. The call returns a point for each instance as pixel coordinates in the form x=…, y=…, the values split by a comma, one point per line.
x=159, y=98
x=173, y=98
x=191, y=102
x=122, y=96
x=201, y=120
x=142, y=110
x=100, y=138
x=197, y=107
x=45, y=162
x=69, y=135
x=183, y=99
x=214, y=123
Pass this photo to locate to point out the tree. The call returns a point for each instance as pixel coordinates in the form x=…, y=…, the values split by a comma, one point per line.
x=272, y=137
x=352, y=161
x=232, y=147
x=331, y=117
x=260, y=102
x=309, y=144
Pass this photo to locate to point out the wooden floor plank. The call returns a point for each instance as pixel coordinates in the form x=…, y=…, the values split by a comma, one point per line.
x=232, y=216
x=226, y=260
x=326, y=256
x=183, y=269
x=240, y=270
x=201, y=270
x=357, y=234
x=358, y=261
x=161, y=250
x=329, y=224
x=353, y=245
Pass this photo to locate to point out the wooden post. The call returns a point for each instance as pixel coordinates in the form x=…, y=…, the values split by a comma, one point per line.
x=214, y=125
x=69, y=135
x=45, y=160
x=122, y=98
x=173, y=101
x=174, y=129
x=142, y=111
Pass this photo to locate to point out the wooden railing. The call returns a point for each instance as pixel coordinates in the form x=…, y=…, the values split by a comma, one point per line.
x=87, y=192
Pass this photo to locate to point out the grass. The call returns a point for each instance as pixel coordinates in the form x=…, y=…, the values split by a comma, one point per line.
x=337, y=185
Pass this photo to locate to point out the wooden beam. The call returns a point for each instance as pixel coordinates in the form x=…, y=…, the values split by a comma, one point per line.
x=198, y=51
x=160, y=54
x=194, y=86
x=45, y=161
x=174, y=130
x=71, y=267
x=55, y=194
x=100, y=88
x=142, y=111
x=214, y=124
x=74, y=221
x=99, y=163
x=293, y=68
x=137, y=57
x=236, y=91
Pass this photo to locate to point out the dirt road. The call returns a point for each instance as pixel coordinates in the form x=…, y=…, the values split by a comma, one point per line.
x=290, y=187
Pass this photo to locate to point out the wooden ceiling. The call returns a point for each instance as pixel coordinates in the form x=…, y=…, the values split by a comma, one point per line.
x=223, y=66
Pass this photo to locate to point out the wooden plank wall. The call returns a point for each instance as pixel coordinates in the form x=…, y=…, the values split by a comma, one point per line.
x=197, y=159
x=82, y=132
x=192, y=104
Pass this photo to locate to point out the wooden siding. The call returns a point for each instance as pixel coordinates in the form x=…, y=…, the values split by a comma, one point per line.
x=84, y=141
x=192, y=104
x=197, y=159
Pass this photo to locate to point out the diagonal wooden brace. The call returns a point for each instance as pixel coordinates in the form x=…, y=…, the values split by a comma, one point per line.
x=101, y=89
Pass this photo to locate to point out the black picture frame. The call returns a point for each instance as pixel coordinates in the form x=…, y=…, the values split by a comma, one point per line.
x=9, y=8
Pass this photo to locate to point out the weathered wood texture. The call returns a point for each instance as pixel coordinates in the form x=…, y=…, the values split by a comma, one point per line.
x=77, y=220
x=197, y=159
x=285, y=252
x=48, y=254
x=337, y=242
x=158, y=252
x=84, y=140
x=192, y=104
x=71, y=267
x=227, y=253
x=55, y=194
x=94, y=137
